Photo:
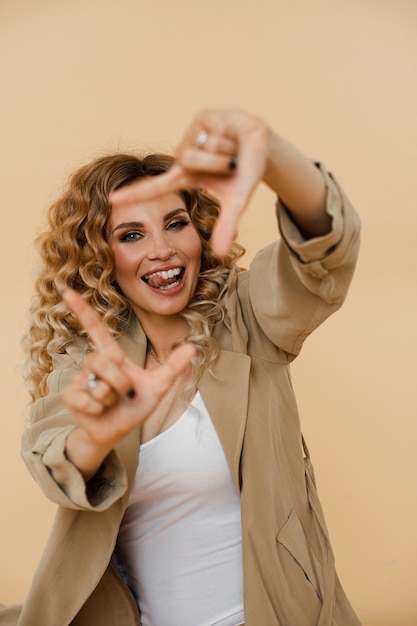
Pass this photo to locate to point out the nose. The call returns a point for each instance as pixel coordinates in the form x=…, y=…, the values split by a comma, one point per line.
x=160, y=248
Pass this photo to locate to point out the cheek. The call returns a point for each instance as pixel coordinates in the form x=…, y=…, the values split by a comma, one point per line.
x=196, y=249
x=124, y=261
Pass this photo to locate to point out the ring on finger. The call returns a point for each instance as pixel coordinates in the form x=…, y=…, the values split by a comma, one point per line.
x=201, y=139
x=91, y=383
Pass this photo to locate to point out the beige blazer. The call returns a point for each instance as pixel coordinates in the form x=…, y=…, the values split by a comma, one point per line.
x=288, y=565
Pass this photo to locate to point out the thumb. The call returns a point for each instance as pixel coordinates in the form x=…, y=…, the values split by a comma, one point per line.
x=149, y=188
x=176, y=363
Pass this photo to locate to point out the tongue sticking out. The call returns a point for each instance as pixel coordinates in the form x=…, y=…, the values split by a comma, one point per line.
x=156, y=281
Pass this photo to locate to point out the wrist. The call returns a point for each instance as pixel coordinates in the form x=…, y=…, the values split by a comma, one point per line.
x=86, y=454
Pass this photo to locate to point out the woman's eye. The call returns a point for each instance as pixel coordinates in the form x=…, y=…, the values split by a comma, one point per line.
x=177, y=224
x=130, y=236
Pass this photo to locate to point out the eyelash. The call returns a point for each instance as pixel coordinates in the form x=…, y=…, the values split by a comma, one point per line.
x=130, y=236
x=178, y=224
x=134, y=235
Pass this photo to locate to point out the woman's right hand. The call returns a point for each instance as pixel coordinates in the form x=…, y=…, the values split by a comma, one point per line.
x=123, y=397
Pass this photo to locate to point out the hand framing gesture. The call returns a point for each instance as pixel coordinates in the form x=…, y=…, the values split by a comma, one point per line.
x=111, y=396
x=222, y=151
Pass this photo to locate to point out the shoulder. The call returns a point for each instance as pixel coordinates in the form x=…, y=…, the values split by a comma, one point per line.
x=66, y=363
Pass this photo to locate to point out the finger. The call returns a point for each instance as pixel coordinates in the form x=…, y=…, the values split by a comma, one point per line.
x=222, y=237
x=108, y=372
x=225, y=228
x=103, y=393
x=178, y=361
x=184, y=175
x=213, y=142
x=212, y=122
x=196, y=161
x=93, y=398
x=81, y=402
x=151, y=187
x=92, y=323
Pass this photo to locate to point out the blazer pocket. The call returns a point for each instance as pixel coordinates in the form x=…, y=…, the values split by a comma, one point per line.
x=293, y=539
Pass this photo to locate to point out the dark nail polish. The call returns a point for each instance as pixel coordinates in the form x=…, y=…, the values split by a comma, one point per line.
x=232, y=164
x=131, y=394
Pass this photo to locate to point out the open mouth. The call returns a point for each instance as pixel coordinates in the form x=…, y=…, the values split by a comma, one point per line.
x=167, y=279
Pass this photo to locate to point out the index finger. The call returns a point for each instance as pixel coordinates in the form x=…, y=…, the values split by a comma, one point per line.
x=92, y=323
x=149, y=188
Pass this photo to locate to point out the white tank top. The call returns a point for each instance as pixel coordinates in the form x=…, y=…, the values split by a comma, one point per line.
x=180, y=538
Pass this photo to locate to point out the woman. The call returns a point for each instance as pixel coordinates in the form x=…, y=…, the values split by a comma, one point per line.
x=164, y=422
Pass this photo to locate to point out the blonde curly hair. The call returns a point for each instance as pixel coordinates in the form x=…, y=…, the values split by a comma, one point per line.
x=75, y=253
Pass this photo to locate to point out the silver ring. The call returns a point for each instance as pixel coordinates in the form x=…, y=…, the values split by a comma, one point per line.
x=91, y=382
x=201, y=140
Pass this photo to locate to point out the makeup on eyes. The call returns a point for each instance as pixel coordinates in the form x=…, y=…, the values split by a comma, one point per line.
x=140, y=225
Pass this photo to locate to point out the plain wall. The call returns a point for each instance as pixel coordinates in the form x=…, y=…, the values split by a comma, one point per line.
x=336, y=77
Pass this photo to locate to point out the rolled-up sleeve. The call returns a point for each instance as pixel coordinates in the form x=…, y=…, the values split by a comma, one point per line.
x=296, y=283
x=43, y=450
x=320, y=254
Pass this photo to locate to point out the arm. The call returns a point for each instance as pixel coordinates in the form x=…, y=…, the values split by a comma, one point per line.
x=307, y=279
x=70, y=446
x=299, y=185
x=313, y=270
x=44, y=447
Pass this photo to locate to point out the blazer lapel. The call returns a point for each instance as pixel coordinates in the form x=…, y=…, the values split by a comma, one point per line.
x=224, y=390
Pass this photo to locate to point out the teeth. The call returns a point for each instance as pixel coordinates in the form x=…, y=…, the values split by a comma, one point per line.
x=177, y=282
x=165, y=275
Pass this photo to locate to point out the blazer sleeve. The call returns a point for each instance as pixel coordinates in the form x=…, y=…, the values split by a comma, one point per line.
x=295, y=284
x=43, y=449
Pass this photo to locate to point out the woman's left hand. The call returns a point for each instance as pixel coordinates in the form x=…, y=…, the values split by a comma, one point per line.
x=224, y=152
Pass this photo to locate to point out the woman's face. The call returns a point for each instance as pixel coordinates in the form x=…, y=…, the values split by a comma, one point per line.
x=157, y=252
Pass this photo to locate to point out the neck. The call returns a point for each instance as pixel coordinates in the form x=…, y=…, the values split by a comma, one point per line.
x=163, y=335
x=150, y=350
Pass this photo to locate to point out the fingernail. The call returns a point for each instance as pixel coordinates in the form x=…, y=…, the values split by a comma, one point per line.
x=232, y=164
x=131, y=394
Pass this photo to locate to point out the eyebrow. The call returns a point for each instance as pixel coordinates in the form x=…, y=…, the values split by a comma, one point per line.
x=166, y=218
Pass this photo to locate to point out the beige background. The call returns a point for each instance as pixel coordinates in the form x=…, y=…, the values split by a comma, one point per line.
x=337, y=77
